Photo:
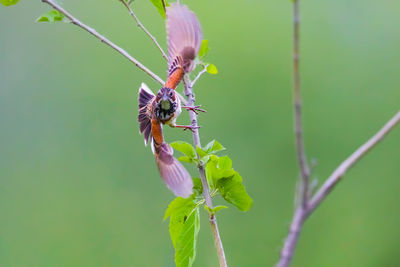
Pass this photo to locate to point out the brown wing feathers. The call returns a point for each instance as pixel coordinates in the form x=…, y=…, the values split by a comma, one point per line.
x=144, y=118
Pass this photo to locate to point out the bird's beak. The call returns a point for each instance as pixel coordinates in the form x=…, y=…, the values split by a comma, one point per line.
x=165, y=98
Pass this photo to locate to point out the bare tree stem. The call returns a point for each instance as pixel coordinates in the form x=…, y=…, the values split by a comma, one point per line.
x=301, y=214
x=291, y=240
x=206, y=189
x=301, y=155
x=140, y=25
x=103, y=39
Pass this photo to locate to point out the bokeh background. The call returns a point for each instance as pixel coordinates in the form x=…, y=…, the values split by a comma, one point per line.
x=78, y=187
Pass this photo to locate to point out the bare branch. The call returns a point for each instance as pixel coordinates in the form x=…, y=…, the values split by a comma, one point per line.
x=302, y=213
x=199, y=75
x=140, y=25
x=301, y=155
x=206, y=189
x=104, y=40
x=340, y=171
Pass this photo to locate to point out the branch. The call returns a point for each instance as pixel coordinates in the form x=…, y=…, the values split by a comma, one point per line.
x=199, y=75
x=301, y=155
x=104, y=40
x=206, y=189
x=140, y=25
x=340, y=171
x=302, y=214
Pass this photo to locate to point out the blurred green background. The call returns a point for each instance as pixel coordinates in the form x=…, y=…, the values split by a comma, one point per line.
x=78, y=187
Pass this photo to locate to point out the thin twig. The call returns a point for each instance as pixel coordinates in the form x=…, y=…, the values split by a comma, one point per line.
x=301, y=155
x=206, y=189
x=104, y=40
x=199, y=75
x=302, y=214
x=140, y=25
x=340, y=171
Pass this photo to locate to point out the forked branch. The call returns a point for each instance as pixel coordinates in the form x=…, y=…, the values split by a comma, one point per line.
x=302, y=214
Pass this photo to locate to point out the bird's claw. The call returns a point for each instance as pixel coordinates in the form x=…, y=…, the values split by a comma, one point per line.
x=188, y=127
x=195, y=109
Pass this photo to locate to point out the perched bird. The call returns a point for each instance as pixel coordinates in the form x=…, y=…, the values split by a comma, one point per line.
x=184, y=40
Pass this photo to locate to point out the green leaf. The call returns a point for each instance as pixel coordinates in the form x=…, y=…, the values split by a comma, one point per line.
x=225, y=163
x=233, y=191
x=198, y=186
x=215, y=209
x=185, y=159
x=185, y=252
x=203, y=49
x=212, y=69
x=9, y=2
x=213, y=147
x=160, y=7
x=51, y=16
x=218, y=168
x=201, y=152
x=178, y=211
x=185, y=148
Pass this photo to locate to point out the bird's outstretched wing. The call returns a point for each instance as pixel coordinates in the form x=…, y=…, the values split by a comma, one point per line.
x=184, y=38
x=145, y=98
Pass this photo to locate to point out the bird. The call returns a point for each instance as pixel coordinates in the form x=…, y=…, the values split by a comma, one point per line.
x=184, y=37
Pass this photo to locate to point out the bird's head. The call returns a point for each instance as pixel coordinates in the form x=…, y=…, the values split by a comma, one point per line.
x=166, y=103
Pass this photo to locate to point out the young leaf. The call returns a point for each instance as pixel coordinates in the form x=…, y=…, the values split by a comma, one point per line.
x=203, y=49
x=233, y=191
x=178, y=211
x=212, y=69
x=215, y=209
x=213, y=147
x=185, y=148
x=185, y=252
x=9, y=2
x=51, y=16
x=160, y=7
